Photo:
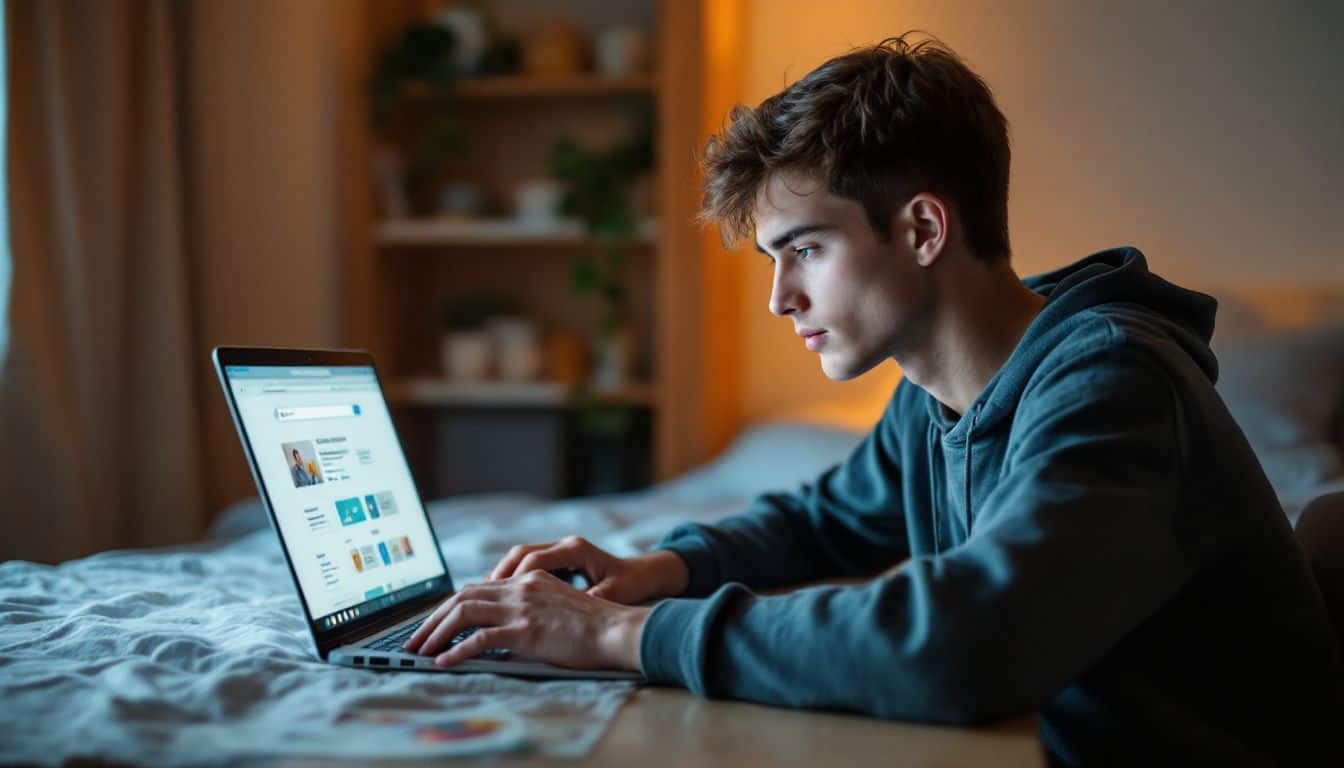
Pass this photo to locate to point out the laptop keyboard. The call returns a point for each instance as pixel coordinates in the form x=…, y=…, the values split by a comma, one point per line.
x=392, y=643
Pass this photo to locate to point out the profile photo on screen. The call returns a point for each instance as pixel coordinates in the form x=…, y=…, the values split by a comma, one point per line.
x=303, y=468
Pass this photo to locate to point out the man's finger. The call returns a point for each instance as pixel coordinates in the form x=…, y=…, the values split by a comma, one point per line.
x=472, y=592
x=467, y=614
x=480, y=641
x=557, y=557
x=431, y=621
x=603, y=589
x=509, y=562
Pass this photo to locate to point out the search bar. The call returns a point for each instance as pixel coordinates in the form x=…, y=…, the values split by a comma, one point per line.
x=309, y=412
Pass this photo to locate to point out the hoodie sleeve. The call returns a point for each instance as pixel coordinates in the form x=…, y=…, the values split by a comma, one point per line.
x=1077, y=544
x=847, y=523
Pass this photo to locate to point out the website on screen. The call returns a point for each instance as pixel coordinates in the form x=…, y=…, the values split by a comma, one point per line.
x=347, y=508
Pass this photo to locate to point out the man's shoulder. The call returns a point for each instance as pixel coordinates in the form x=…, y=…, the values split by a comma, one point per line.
x=1113, y=338
x=1107, y=359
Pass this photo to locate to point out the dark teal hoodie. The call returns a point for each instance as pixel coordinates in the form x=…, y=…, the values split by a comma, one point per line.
x=1093, y=540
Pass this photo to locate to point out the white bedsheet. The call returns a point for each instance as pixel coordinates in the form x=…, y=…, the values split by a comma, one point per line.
x=148, y=657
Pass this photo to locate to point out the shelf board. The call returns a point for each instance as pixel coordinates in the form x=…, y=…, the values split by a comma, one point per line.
x=502, y=87
x=433, y=231
x=429, y=391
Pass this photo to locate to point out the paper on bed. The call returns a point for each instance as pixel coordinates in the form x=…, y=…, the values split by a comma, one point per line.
x=439, y=732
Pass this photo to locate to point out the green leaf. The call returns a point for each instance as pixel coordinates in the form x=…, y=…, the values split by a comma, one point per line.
x=605, y=420
x=423, y=53
x=442, y=137
x=566, y=160
x=584, y=278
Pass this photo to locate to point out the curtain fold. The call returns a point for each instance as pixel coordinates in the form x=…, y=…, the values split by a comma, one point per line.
x=181, y=176
x=98, y=399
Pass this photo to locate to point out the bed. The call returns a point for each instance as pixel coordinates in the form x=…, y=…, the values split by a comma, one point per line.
x=164, y=657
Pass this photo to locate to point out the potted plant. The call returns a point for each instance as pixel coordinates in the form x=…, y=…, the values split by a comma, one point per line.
x=597, y=186
x=421, y=60
x=466, y=348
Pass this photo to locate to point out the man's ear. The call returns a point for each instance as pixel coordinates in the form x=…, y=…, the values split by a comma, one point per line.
x=924, y=223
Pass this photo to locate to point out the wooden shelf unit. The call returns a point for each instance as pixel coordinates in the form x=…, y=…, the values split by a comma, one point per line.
x=409, y=264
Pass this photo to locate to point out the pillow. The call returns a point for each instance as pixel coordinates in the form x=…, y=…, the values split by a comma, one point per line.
x=1300, y=467
x=768, y=457
x=1286, y=391
x=782, y=456
x=238, y=519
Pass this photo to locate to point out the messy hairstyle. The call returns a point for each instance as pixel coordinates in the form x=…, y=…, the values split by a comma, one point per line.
x=879, y=124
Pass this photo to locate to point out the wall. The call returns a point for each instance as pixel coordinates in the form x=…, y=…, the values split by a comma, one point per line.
x=269, y=199
x=1207, y=134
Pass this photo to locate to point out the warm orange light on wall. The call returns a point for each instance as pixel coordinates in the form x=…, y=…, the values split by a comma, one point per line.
x=722, y=272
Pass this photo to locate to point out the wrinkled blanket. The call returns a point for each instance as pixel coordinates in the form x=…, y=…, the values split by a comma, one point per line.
x=196, y=655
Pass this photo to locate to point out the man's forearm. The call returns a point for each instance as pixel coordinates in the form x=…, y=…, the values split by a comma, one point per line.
x=668, y=573
x=620, y=644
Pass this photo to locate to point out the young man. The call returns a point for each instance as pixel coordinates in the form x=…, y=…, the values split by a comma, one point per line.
x=1077, y=526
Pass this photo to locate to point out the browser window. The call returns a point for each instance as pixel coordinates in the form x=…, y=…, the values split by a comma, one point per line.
x=343, y=497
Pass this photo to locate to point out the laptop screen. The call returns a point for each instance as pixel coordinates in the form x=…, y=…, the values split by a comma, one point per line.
x=328, y=457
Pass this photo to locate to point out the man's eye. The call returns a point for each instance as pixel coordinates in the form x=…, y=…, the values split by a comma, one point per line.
x=804, y=251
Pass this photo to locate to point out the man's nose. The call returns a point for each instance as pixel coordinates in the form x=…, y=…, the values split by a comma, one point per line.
x=785, y=297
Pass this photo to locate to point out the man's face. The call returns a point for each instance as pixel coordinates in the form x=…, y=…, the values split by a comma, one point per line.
x=833, y=273
x=297, y=461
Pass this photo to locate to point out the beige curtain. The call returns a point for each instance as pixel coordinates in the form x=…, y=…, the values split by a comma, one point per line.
x=101, y=442
x=175, y=174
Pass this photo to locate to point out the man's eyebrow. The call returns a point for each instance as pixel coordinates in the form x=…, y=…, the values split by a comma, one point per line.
x=796, y=232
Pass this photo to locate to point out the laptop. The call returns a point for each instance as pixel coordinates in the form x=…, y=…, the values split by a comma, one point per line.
x=331, y=472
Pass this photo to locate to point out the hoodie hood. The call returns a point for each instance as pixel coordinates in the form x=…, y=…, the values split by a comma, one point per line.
x=1114, y=283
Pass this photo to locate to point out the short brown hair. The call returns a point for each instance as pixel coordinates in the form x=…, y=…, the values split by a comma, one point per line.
x=880, y=124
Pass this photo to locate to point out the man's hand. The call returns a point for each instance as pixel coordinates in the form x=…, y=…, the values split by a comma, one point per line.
x=622, y=580
x=536, y=615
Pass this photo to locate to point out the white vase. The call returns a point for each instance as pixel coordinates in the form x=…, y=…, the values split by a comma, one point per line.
x=621, y=50
x=517, y=348
x=471, y=38
x=536, y=203
x=613, y=353
x=466, y=355
x=460, y=198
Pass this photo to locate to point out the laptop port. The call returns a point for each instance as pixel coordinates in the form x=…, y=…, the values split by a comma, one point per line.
x=357, y=660
x=378, y=661
x=408, y=662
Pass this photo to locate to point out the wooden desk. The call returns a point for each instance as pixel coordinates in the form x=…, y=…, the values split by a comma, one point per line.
x=671, y=727
x=668, y=726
